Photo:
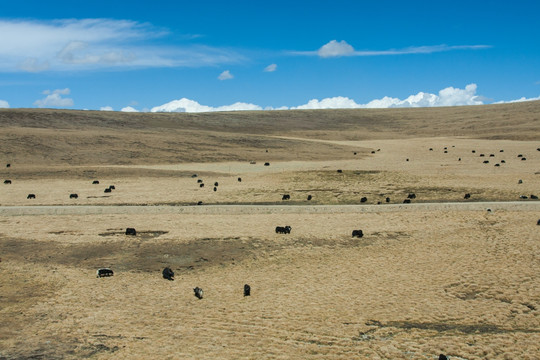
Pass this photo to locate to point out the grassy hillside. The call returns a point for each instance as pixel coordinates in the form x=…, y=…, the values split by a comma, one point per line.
x=74, y=137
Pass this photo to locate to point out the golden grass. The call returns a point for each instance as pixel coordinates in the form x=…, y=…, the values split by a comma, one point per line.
x=434, y=280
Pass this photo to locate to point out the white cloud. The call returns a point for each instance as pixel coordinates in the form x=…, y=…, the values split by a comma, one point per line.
x=270, y=68
x=4, y=104
x=522, y=99
x=54, y=99
x=449, y=96
x=106, y=108
x=338, y=102
x=82, y=44
x=187, y=105
x=335, y=49
x=129, y=109
x=342, y=48
x=226, y=75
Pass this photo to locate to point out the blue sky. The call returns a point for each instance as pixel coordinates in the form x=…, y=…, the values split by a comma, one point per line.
x=214, y=55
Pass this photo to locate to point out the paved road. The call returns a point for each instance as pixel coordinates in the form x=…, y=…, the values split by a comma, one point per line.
x=265, y=209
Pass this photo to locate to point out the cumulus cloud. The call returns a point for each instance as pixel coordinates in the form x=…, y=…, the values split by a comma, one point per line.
x=106, y=108
x=341, y=48
x=187, y=105
x=226, y=75
x=54, y=99
x=84, y=44
x=270, y=68
x=335, y=49
x=522, y=99
x=449, y=96
x=129, y=109
x=4, y=104
x=338, y=102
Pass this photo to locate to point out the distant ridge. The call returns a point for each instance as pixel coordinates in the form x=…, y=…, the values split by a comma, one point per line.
x=508, y=121
x=42, y=137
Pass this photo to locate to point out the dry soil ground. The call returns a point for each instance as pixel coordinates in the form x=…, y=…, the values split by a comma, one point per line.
x=441, y=275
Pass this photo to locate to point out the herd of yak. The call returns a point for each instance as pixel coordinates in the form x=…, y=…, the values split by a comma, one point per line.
x=169, y=274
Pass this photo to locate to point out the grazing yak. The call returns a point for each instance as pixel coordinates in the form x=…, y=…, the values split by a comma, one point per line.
x=407, y=201
x=363, y=200
x=215, y=188
x=216, y=184
x=95, y=182
x=411, y=196
x=387, y=199
x=199, y=181
x=201, y=185
x=486, y=161
x=247, y=290
x=520, y=181
x=8, y=165
x=283, y=229
x=31, y=196
x=168, y=274
x=340, y=171
x=266, y=164
x=199, y=203
x=7, y=181
x=131, y=231
x=104, y=272
x=309, y=197
x=286, y=197
x=442, y=357
x=534, y=197
x=467, y=196
x=357, y=233
x=73, y=196
x=239, y=179
x=112, y=187
x=198, y=292
x=538, y=222
x=108, y=190
x=194, y=175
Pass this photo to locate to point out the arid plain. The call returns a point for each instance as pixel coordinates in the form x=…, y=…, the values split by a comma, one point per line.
x=442, y=274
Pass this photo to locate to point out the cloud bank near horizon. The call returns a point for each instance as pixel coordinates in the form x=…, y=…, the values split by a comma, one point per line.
x=449, y=96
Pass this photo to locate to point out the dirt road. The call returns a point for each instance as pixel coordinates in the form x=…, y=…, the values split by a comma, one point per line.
x=266, y=209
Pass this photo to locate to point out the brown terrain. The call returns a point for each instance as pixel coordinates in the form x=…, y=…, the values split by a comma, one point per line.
x=443, y=274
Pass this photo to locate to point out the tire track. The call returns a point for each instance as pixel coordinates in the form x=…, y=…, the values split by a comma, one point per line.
x=264, y=209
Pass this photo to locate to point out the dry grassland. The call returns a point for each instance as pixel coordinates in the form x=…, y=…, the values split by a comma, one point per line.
x=425, y=279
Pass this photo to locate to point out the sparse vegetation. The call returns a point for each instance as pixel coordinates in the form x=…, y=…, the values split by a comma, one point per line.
x=421, y=281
